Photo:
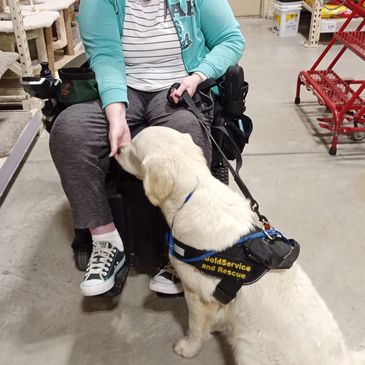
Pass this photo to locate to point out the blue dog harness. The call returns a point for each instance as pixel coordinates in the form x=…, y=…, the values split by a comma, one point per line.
x=245, y=262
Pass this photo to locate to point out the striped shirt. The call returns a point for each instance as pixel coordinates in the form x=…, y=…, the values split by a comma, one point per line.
x=151, y=46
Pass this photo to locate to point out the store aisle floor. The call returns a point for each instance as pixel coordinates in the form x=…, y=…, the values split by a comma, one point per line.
x=308, y=194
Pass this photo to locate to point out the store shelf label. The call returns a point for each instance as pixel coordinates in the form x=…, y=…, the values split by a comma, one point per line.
x=329, y=26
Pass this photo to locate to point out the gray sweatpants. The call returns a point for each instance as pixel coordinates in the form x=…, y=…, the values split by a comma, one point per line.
x=79, y=146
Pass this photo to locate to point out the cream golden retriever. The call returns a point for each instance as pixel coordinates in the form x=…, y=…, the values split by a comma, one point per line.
x=281, y=319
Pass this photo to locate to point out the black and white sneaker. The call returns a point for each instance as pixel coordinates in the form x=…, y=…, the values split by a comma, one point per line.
x=105, y=261
x=166, y=281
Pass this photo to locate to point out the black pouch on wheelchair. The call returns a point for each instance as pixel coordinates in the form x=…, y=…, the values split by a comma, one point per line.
x=232, y=129
x=78, y=86
x=232, y=134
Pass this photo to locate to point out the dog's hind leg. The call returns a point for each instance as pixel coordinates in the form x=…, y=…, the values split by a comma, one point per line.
x=202, y=317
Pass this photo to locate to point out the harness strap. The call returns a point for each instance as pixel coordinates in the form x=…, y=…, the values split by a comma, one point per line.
x=190, y=254
x=226, y=290
x=244, y=263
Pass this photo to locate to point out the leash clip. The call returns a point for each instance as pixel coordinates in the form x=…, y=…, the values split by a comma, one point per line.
x=267, y=234
x=267, y=226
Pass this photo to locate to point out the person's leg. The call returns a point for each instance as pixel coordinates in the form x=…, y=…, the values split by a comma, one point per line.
x=80, y=149
x=159, y=112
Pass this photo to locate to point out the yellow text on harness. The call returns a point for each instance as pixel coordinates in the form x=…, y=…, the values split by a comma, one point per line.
x=224, y=267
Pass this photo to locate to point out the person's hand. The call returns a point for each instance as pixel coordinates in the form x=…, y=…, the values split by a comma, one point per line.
x=119, y=134
x=189, y=84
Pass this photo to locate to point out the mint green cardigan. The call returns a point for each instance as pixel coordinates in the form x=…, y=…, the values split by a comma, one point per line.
x=209, y=35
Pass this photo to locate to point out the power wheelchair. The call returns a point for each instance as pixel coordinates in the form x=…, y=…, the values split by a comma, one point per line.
x=141, y=225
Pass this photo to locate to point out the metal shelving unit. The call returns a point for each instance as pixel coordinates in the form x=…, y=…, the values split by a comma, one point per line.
x=343, y=97
x=319, y=25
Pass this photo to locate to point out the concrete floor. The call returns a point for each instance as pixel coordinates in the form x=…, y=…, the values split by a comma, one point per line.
x=308, y=194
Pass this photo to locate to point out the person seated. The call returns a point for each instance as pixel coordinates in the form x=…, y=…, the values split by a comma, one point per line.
x=137, y=49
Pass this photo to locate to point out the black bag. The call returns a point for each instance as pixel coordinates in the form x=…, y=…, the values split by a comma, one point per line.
x=239, y=131
x=78, y=86
x=230, y=134
x=231, y=128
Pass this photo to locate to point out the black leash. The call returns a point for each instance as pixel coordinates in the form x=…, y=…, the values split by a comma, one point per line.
x=242, y=186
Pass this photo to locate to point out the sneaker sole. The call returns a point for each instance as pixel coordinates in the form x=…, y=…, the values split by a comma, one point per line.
x=104, y=287
x=165, y=288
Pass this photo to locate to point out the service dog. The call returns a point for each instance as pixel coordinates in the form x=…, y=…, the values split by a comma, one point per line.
x=280, y=319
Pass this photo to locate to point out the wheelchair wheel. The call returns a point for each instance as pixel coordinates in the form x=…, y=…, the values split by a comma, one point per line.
x=221, y=173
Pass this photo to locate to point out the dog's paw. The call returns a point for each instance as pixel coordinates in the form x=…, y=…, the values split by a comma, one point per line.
x=187, y=347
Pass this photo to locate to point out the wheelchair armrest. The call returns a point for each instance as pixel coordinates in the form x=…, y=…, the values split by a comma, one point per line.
x=235, y=91
x=232, y=90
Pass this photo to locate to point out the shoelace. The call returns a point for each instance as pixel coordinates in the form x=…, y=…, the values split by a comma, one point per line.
x=101, y=258
x=170, y=269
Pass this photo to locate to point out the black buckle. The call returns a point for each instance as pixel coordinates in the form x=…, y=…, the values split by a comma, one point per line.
x=221, y=295
x=227, y=290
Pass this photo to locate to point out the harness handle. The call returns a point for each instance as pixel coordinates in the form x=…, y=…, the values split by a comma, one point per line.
x=242, y=186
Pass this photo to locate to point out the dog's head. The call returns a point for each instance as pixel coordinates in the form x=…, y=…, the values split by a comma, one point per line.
x=161, y=157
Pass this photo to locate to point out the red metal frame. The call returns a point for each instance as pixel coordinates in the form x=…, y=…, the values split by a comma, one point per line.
x=343, y=97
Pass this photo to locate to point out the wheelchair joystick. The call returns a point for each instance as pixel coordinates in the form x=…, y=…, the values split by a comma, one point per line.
x=235, y=90
x=45, y=72
x=44, y=87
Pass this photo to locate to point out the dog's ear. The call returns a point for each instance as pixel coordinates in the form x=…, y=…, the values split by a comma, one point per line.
x=158, y=178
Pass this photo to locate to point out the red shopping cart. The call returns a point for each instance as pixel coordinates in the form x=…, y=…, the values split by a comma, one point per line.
x=343, y=97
